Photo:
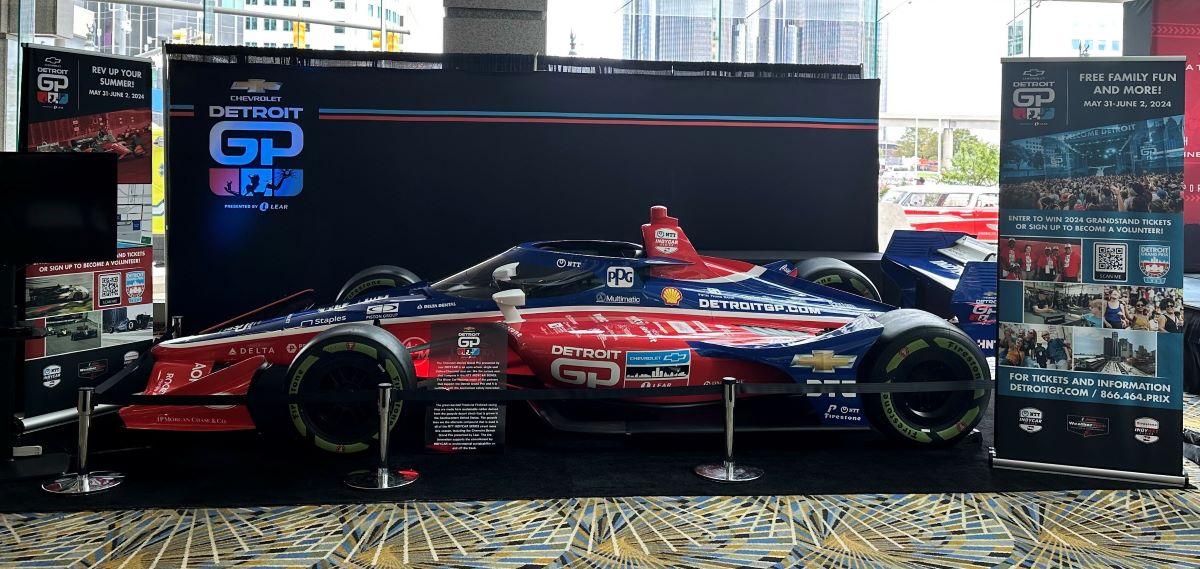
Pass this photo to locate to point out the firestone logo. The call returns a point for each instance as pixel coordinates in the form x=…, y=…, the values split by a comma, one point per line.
x=257, y=135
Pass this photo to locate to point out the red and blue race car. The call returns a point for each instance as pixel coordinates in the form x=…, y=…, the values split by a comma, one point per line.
x=592, y=315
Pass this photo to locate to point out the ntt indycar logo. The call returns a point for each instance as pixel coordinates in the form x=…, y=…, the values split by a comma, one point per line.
x=253, y=143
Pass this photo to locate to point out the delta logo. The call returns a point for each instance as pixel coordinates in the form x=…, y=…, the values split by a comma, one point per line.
x=255, y=144
x=51, y=82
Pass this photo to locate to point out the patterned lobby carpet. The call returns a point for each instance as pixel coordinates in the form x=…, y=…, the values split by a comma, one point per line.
x=1086, y=528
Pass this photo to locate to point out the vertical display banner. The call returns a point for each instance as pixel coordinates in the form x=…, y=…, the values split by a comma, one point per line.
x=1090, y=361
x=466, y=357
x=1175, y=30
x=98, y=315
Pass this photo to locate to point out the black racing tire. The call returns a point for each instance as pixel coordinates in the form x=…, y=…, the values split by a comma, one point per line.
x=130, y=326
x=836, y=274
x=346, y=358
x=918, y=346
x=375, y=279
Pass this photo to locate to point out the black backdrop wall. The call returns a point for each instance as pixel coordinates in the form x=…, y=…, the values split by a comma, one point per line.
x=435, y=169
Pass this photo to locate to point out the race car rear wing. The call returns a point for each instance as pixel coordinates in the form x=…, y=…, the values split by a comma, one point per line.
x=950, y=274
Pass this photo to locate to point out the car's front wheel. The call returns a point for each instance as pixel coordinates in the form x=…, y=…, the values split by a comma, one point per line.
x=917, y=346
x=350, y=358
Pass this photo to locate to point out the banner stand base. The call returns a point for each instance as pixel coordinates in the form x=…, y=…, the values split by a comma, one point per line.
x=1180, y=481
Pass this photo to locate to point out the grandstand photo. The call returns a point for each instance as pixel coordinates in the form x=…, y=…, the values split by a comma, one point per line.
x=1133, y=167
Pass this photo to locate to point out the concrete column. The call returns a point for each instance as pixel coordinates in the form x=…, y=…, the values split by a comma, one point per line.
x=10, y=28
x=494, y=26
x=947, y=148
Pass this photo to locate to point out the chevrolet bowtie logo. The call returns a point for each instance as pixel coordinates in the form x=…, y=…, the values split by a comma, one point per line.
x=823, y=361
x=256, y=85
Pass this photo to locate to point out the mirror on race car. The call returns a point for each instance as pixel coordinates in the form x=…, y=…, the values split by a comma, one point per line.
x=508, y=301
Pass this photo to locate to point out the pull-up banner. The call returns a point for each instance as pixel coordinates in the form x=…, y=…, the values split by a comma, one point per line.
x=285, y=174
x=1090, y=351
x=98, y=316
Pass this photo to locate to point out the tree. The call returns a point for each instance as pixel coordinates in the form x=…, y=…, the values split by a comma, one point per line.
x=928, y=140
x=976, y=163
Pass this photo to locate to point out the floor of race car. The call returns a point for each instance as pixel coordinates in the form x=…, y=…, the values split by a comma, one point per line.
x=558, y=500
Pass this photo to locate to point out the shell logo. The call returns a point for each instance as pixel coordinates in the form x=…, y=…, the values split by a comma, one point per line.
x=671, y=296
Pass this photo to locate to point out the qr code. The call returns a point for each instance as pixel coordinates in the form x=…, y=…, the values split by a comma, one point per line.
x=1110, y=262
x=109, y=289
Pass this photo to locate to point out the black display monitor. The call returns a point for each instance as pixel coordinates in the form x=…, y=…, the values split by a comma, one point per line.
x=57, y=207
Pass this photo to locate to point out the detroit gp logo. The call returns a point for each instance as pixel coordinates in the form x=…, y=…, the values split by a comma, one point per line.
x=1155, y=263
x=51, y=83
x=255, y=143
x=1031, y=95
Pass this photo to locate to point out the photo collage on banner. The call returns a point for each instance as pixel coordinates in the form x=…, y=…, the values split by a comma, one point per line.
x=98, y=316
x=1090, y=303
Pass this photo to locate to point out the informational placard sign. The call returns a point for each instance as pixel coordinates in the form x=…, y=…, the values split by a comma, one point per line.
x=1176, y=31
x=467, y=357
x=1090, y=350
x=98, y=315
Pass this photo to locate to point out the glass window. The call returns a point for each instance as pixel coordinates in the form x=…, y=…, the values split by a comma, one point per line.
x=370, y=9
x=893, y=196
x=270, y=24
x=1116, y=45
x=1103, y=45
x=923, y=199
x=1075, y=44
x=339, y=48
x=987, y=200
x=270, y=44
x=957, y=200
x=251, y=44
x=306, y=3
x=339, y=5
x=287, y=25
x=287, y=45
x=251, y=23
x=289, y=2
x=270, y=2
x=339, y=30
x=251, y=2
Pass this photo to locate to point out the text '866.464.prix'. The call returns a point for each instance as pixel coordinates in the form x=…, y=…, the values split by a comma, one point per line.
x=601, y=315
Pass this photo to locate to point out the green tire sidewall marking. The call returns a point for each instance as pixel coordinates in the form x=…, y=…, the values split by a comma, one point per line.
x=369, y=284
x=861, y=287
x=359, y=347
x=889, y=411
x=912, y=346
x=297, y=378
x=829, y=279
x=964, y=353
x=960, y=425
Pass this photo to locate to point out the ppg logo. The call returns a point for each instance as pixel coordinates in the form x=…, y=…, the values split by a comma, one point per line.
x=619, y=277
x=247, y=150
x=1033, y=96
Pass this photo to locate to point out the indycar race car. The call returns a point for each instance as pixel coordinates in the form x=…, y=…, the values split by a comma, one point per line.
x=589, y=315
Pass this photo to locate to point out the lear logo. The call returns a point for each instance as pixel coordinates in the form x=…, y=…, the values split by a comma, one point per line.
x=619, y=277
x=256, y=85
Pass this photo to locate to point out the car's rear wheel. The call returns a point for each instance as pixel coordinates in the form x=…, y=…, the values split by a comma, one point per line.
x=350, y=358
x=836, y=274
x=375, y=280
x=919, y=347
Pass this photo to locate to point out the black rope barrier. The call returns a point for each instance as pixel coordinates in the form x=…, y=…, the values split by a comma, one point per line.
x=502, y=396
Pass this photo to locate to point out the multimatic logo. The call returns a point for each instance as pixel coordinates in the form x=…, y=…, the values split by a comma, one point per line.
x=51, y=83
x=258, y=135
x=1031, y=95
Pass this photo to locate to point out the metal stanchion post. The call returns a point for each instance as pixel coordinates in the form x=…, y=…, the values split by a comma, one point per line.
x=382, y=477
x=728, y=471
x=84, y=481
